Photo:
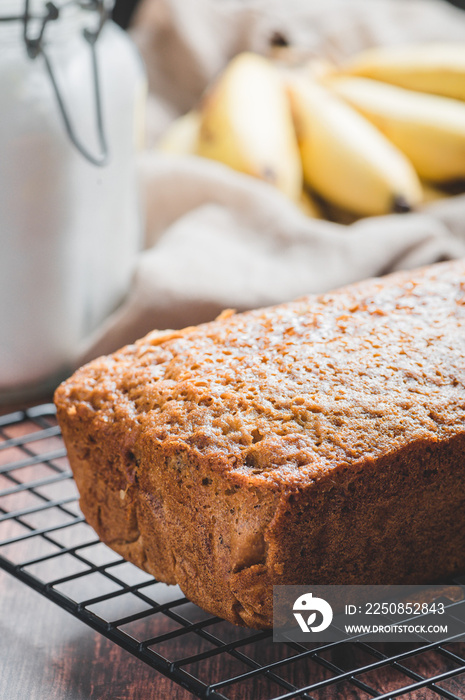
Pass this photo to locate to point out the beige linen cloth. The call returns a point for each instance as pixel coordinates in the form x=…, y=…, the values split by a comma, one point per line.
x=216, y=238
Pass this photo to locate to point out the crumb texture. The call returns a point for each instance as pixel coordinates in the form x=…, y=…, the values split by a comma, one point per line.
x=297, y=409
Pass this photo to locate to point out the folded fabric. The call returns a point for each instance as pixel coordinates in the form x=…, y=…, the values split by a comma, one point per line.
x=218, y=239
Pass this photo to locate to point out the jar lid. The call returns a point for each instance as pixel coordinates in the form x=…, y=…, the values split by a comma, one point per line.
x=17, y=8
x=36, y=16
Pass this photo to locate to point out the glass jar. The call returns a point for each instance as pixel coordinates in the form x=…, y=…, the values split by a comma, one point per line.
x=70, y=229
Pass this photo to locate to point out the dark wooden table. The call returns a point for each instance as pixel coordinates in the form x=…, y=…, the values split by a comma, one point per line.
x=46, y=654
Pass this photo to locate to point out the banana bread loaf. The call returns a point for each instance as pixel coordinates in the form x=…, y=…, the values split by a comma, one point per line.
x=316, y=442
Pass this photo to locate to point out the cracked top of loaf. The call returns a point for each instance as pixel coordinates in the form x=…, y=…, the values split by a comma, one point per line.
x=282, y=395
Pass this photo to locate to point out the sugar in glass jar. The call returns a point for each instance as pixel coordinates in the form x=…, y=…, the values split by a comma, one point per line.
x=72, y=90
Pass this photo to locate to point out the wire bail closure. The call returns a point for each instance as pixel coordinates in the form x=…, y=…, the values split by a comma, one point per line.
x=35, y=47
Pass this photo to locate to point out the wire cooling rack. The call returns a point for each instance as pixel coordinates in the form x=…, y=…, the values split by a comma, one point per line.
x=45, y=542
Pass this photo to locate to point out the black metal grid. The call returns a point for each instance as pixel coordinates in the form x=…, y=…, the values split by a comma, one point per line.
x=45, y=542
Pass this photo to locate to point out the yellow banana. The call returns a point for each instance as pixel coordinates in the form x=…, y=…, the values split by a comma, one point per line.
x=430, y=130
x=246, y=123
x=345, y=159
x=181, y=136
x=434, y=68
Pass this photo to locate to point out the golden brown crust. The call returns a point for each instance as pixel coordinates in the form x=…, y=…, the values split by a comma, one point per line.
x=320, y=441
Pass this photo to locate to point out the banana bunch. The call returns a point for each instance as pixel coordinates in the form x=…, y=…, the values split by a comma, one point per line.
x=381, y=134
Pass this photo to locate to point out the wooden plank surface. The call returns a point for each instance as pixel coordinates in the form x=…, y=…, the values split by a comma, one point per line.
x=46, y=654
